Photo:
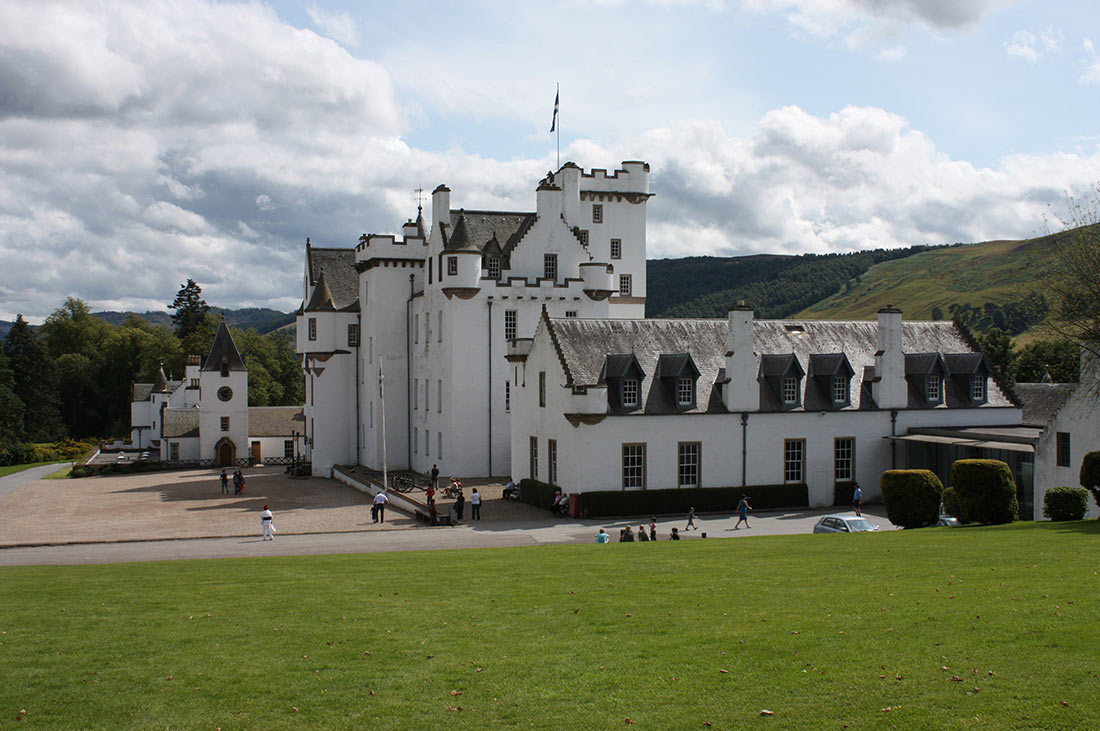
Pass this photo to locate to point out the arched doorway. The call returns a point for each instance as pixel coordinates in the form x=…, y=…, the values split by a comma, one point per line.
x=226, y=452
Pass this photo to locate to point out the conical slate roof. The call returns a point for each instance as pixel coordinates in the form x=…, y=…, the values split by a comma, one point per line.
x=224, y=349
x=161, y=383
x=322, y=297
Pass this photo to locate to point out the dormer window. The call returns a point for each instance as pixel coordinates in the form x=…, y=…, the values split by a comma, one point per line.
x=678, y=375
x=977, y=388
x=933, y=388
x=225, y=368
x=685, y=392
x=790, y=390
x=829, y=385
x=840, y=390
x=630, y=393
x=782, y=375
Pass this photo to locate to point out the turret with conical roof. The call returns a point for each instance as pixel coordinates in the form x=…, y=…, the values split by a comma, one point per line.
x=322, y=300
x=224, y=355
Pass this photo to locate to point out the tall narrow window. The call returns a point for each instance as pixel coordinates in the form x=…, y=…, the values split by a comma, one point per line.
x=439, y=444
x=597, y=213
x=634, y=466
x=439, y=397
x=630, y=393
x=370, y=349
x=844, y=449
x=452, y=265
x=684, y=395
x=790, y=390
x=542, y=388
x=174, y=451
x=624, y=285
x=509, y=324
x=688, y=471
x=353, y=336
x=225, y=423
x=977, y=388
x=583, y=235
x=416, y=328
x=534, y=458
x=840, y=390
x=550, y=266
x=416, y=394
x=793, y=460
x=416, y=441
x=312, y=328
x=288, y=448
x=933, y=388
x=494, y=267
x=427, y=443
x=616, y=248
x=440, y=328
x=1064, y=456
x=552, y=461
x=507, y=397
x=427, y=394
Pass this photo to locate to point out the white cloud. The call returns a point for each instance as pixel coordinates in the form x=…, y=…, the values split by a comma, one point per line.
x=1091, y=74
x=825, y=18
x=264, y=202
x=340, y=27
x=1031, y=47
x=891, y=54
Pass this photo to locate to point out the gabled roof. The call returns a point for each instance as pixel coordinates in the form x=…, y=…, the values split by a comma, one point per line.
x=1041, y=402
x=773, y=366
x=966, y=363
x=923, y=364
x=675, y=365
x=224, y=347
x=340, y=275
x=180, y=423
x=830, y=364
x=621, y=365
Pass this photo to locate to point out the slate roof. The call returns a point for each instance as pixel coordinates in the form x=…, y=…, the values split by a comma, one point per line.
x=920, y=364
x=583, y=345
x=1041, y=402
x=829, y=364
x=142, y=391
x=340, y=274
x=224, y=347
x=322, y=300
x=472, y=230
x=275, y=421
x=180, y=423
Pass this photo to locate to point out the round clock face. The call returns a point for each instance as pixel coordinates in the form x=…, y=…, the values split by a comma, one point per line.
x=225, y=393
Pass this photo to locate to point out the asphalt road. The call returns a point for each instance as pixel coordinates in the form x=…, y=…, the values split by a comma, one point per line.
x=11, y=483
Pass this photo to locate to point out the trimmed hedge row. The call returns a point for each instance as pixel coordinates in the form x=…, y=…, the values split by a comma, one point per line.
x=539, y=494
x=911, y=497
x=115, y=468
x=1066, y=503
x=986, y=491
x=679, y=500
x=843, y=492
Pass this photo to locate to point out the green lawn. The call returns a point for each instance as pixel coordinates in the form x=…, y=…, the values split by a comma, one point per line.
x=937, y=628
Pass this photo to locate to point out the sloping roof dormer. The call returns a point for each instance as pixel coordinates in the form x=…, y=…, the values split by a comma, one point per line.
x=926, y=373
x=623, y=376
x=781, y=376
x=677, y=374
x=969, y=376
x=830, y=381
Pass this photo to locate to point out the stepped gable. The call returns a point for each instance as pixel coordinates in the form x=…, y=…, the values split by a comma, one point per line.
x=1041, y=402
x=179, y=423
x=584, y=344
x=275, y=421
x=340, y=274
x=224, y=349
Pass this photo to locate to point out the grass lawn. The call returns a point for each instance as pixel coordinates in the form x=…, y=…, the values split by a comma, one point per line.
x=937, y=628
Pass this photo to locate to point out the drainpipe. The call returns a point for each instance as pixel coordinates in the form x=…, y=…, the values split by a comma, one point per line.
x=893, y=443
x=744, y=445
x=408, y=371
x=489, y=340
x=358, y=405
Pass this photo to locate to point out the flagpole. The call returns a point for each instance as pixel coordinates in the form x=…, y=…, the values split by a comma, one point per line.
x=382, y=398
x=557, y=96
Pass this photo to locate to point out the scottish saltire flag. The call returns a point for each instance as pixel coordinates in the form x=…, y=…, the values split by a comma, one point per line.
x=554, y=122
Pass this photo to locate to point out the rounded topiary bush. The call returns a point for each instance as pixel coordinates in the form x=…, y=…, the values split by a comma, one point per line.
x=952, y=505
x=911, y=497
x=1090, y=474
x=1066, y=503
x=986, y=490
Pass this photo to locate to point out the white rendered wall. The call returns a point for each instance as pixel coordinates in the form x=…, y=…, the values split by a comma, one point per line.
x=212, y=409
x=1081, y=419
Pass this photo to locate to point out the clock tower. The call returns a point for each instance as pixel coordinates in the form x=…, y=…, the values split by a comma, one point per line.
x=223, y=403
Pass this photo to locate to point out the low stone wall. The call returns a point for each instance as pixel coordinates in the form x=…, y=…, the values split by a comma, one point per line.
x=363, y=483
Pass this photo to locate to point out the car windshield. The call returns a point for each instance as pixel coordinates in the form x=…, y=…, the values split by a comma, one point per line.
x=860, y=524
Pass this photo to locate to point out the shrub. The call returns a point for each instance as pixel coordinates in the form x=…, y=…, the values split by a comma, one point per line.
x=1090, y=474
x=912, y=497
x=1066, y=503
x=952, y=505
x=539, y=494
x=611, y=503
x=986, y=490
x=843, y=491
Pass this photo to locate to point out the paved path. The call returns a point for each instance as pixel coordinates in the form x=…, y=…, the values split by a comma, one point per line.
x=11, y=483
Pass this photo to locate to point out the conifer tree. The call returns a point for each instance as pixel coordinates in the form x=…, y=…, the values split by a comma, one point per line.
x=35, y=382
x=190, y=309
x=11, y=408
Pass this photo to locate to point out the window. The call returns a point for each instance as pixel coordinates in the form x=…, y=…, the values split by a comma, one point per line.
x=542, y=388
x=439, y=397
x=583, y=236
x=689, y=464
x=224, y=367
x=840, y=390
x=684, y=389
x=624, y=285
x=634, y=466
x=793, y=451
x=507, y=397
x=630, y=393
x=416, y=394
x=416, y=328
x=427, y=394
x=1064, y=459
x=416, y=441
x=932, y=387
x=509, y=324
x=353, y=336
x=174, y=451
x=570, y=313
x=534, y=458
x=439, y=444
x=370, y=350
x=427, y=443
x=616, y=248
x=843, y=458
x=597, y=213
x=288, y=448
x=313, y=328
x=552, y=461
x=493, y=266
x=452, y=265
x=225, y=423
x=790, y=390
x=550, y=266
x=439, y=335
x=977, y=388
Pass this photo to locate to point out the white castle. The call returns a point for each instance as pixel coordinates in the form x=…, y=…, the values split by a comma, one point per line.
x=434, y=309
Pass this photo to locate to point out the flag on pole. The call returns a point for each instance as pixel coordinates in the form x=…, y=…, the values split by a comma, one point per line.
x=554, y=122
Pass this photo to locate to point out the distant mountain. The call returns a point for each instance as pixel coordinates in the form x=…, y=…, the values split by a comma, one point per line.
x=264, y=320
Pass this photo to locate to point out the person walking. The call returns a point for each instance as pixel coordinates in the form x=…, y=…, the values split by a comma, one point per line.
x=743, y=509
x=460, y=504
x=267, y=521
x=475, y=505
x=435, y=478
x=380, y=501
x=653, y=529
x=691, y=520
x=225, y=483
x=237, y=482
x=430, y=492
x=857, y=499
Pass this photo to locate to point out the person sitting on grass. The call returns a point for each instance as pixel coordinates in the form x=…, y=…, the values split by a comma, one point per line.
x=602, y=537
x=642, y=536
x=626, y=535
x=675, y=534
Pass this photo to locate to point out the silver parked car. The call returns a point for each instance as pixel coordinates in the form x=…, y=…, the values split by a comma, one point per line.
x=843, y=524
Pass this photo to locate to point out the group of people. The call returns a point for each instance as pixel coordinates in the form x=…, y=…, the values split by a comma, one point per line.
x=238, y=482
x=453, y=489
x=628, y=535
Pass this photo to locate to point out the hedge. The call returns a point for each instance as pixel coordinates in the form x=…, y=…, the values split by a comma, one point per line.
x=953, y=506
x=1090, y=474
x=539, y=494
x=1066, y=503
x=986, y=490
x=843, y=492
x=611, y=503
x=115, y=468
x=912, y=497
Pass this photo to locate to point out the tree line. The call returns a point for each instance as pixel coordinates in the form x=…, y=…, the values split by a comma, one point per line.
x=72, y=377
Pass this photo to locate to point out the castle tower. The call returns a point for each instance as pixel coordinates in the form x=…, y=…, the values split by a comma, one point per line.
x=223, y=402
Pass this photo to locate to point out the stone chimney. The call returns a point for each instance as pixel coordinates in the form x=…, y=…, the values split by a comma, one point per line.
x=889, y=389
x=742, y=392
x=441, y=205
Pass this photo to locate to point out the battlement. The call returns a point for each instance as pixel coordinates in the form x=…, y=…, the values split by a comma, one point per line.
x=374, y=246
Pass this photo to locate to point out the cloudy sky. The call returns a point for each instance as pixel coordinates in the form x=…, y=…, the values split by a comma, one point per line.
x=144, y=143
